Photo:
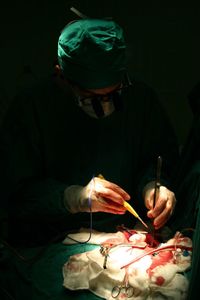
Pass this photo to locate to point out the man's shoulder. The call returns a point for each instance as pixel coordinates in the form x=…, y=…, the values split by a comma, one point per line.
x=142, y=88
x=42, y=85
x=140, y=84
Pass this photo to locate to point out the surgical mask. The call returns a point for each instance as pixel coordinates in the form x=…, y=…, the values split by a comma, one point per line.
x=99, y=106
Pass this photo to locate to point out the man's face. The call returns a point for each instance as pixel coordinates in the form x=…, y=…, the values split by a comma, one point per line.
x=97, y=102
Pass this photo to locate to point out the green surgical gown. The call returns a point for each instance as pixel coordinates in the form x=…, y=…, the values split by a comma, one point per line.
x=48, y=143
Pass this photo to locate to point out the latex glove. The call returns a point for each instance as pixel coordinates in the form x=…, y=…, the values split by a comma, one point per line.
x=164, y=205
x=105, y=196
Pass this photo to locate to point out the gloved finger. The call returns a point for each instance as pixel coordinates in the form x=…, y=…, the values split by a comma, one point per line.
x=161, y=201
x=159, y=207
x=149, y=199
x=112, y=186
x=108, y=206
x=164, y=216
x=109, y=190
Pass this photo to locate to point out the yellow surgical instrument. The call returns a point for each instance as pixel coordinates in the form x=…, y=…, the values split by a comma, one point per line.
x=129, y=208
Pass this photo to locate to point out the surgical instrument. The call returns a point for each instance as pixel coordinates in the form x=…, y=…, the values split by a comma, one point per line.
x=157, y=187
x=129, y=207
x=124, y=288
x=157, y=181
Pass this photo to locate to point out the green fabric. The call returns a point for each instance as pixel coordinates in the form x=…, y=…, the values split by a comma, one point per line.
x=187, y=217
x=187, y=195
x=91, y=52
x=42, y=279
x=49, y=143
x=194, y=287
x=190, y=153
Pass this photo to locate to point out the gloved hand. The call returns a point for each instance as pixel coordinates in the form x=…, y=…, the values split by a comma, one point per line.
x=105, y=196
x=164, y=206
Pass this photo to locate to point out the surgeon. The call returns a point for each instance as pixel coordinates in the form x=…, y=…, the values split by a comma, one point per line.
x=91, y=117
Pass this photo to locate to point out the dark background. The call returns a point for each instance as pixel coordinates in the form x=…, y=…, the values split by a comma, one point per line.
x=163, y=41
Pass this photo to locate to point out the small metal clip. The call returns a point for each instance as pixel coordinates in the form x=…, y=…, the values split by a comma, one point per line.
x=104, y=250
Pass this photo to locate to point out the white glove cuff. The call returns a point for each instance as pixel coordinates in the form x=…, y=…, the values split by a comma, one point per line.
x=72, y=198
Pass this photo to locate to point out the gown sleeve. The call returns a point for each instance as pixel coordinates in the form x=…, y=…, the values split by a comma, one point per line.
x=26, y=191
x=158, y=139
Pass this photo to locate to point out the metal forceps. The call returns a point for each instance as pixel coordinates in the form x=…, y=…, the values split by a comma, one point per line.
x=157, y=188
x=124, y=288
x=157, y=181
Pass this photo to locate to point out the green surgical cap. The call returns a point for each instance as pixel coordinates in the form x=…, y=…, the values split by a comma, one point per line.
x=91, y=53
